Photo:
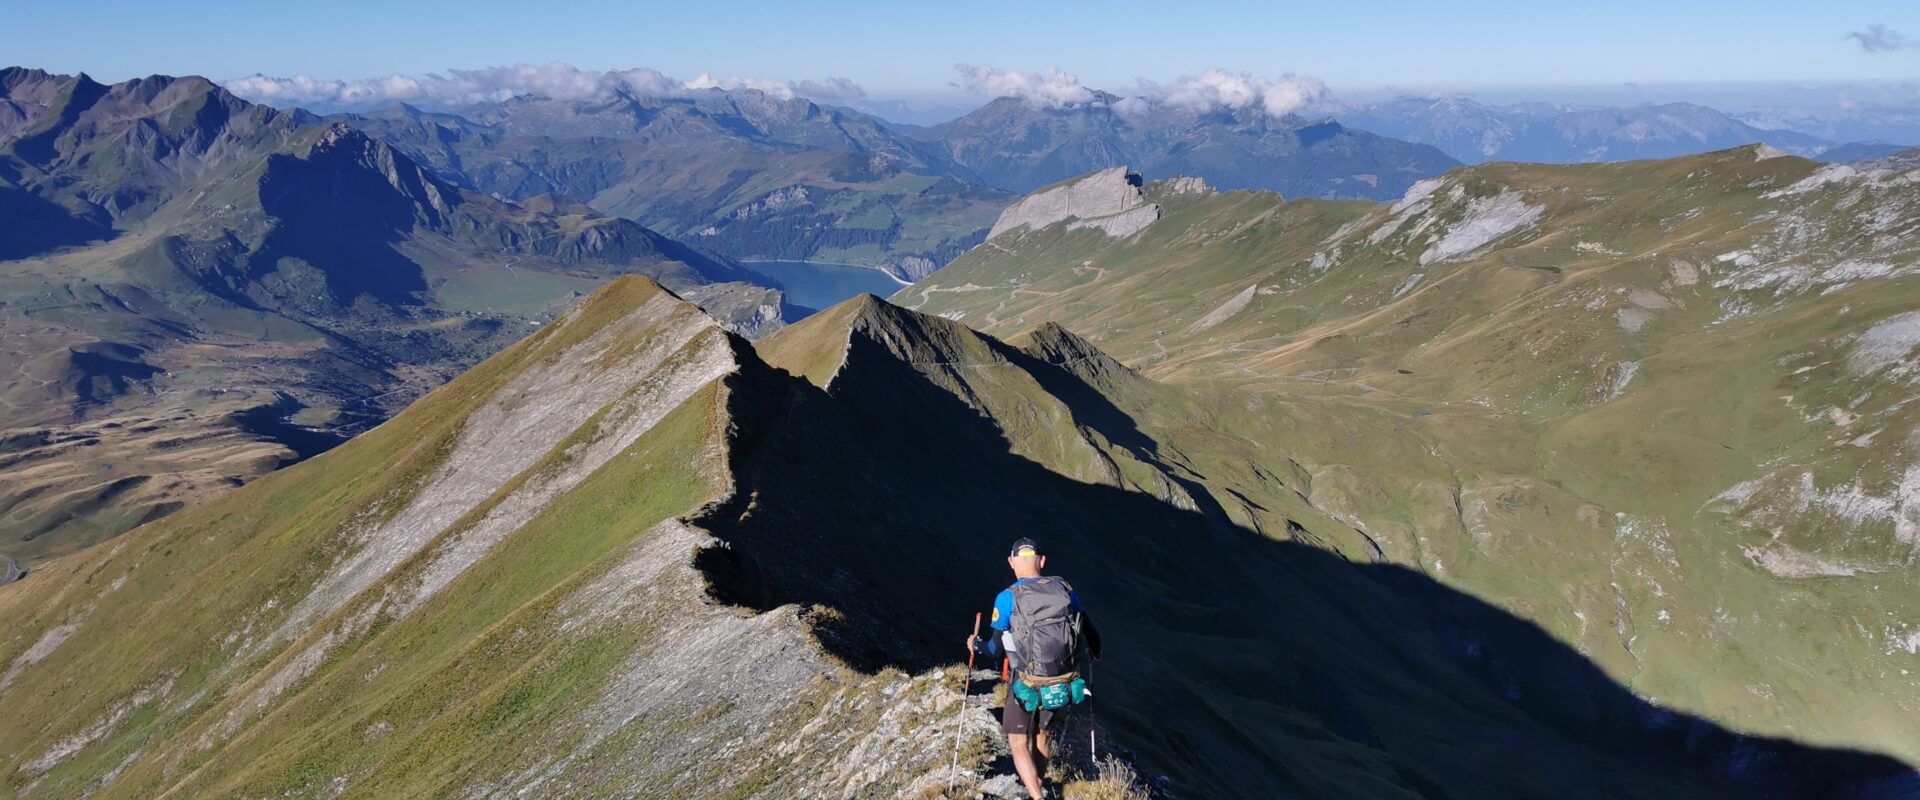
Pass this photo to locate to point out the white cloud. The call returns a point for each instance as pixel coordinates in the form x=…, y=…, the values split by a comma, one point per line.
x=1131, y=106
x=1218, y=88
x=1215, y=88
x=462, y=87
x=778, y=89
x=1049, y=89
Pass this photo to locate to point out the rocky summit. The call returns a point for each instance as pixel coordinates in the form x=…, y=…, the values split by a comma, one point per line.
x=1109, y=200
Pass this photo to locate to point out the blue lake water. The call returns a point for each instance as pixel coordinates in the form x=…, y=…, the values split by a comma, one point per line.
x=819, y=286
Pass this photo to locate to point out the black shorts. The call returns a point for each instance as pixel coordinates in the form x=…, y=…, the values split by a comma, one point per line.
x=1015, y=718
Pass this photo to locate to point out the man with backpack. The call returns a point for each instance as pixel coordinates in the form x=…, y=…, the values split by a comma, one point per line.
x=1039, y=624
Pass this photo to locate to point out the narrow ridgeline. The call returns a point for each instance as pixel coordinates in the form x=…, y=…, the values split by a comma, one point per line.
x=636, y=555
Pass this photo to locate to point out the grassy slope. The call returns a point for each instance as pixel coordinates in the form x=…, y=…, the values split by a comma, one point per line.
x=1478, y=422
x=192, y=578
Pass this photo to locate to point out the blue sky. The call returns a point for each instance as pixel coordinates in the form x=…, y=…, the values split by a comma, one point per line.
x=908, y=49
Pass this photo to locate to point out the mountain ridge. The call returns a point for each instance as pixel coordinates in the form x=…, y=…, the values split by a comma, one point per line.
x=753, y=176
x=695, y=550
x=1016, y=146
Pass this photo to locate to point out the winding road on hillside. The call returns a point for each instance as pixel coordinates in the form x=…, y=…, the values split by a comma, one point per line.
x=10, y=571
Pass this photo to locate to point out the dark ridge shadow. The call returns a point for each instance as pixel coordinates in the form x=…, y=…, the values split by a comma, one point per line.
x=100, y=371
x=35, y=225
x=1314, y=134
x=345, y=220
x=1237, y=666
x=275, y=423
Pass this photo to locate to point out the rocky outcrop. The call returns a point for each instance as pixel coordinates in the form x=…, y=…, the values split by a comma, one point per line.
x=749, y=310
x=1109, y=200
x=1185, y=184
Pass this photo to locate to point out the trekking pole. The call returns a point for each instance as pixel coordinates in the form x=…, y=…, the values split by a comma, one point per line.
x=1093, y=725
x=966, y=689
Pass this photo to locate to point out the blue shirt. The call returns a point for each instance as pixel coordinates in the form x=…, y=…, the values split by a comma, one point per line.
x=1003, y=613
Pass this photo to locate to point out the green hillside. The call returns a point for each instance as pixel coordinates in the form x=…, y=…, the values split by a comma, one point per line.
x=1660, y=408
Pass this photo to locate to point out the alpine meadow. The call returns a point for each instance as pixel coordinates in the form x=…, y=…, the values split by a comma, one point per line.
x=1129, y=402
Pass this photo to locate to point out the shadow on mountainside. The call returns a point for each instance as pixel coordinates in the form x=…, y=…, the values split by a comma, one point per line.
x=1237, y=665
x=345, y=220
x=35, y=226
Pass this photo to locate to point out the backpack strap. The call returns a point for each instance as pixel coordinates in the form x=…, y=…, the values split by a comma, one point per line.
x=1037, y=681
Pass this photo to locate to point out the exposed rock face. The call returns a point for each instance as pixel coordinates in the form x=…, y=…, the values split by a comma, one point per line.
x=744, y=308
x=1109, y=200
x=911, y=268
x=1186, y=184
x=1899, y=162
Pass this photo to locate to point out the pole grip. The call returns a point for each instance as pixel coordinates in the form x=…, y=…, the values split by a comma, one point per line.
x=976, y=635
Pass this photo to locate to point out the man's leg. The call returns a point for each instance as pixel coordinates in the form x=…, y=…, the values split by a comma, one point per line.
x=1020, y=725
x=1042, y=751
x=1022, y=746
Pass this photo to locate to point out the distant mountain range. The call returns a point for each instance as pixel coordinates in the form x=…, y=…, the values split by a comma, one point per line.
x=747, y=175
x=1853, y=122
x=1475, y=132
x=204, y=288
x=1016, y=145
x=757, y=177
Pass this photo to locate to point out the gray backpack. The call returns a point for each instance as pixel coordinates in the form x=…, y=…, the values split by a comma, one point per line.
x=1045, y=631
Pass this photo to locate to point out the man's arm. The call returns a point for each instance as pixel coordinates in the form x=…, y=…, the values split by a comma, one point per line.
x=1002, y=620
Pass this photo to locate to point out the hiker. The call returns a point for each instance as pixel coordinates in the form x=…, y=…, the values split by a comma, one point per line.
x=1039, y=624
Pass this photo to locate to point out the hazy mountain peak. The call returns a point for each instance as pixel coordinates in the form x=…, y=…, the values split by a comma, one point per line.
x=1474, y=131
x=1016, y=146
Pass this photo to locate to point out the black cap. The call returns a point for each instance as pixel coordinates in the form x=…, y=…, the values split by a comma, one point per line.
x=1024, y=547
